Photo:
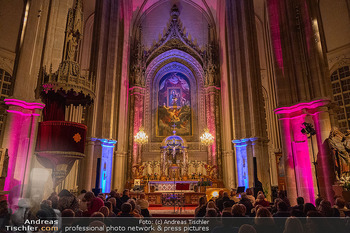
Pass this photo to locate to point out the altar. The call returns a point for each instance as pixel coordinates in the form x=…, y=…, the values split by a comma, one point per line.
x=171, y=186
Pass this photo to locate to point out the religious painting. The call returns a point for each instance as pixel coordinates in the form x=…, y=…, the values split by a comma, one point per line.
x=174, y=97
x=174, y=105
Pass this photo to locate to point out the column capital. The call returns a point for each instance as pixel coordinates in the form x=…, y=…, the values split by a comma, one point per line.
x=24, y=108
x=107, y=142
x=303, y=108
x=248, y=141
x=134, y=90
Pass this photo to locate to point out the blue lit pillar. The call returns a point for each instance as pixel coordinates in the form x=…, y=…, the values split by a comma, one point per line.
x=242, y=162
x=106, y=164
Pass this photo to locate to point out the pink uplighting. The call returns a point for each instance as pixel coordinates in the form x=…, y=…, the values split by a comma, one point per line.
x=24, y=104
x=297, y=147
x=19, y=139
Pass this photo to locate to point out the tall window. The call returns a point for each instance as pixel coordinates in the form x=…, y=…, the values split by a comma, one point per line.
x=341, y=90
x=5, y=90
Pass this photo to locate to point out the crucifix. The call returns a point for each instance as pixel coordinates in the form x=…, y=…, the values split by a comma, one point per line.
x=174, y=146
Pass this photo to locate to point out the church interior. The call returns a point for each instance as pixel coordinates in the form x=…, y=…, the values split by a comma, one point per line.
x=174, y=97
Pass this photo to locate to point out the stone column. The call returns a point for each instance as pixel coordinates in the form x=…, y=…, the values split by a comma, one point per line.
x=229, y=170
x=20, y=137
x=297, y=151
x=119, y=171
x=106, y=164
x=137, y=95
x=211, y=103
x=246, y=98
x=325, y=171
x=89, y=162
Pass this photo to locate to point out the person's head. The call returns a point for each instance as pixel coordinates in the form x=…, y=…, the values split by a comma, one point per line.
x=244, y=196
x=83, y=191
x=263, y=217
x=308, y=207
x=249, y=191
x=97, y=215
x=318, y=201
x=257, y=207
x=202, y=200
x=246, y=228
x=260, y=192
x=340, y=203
x=126, y=208
x=211, y=204
x=293, y=225
x=263, y=213
x=260, y=197
x=112, y=193
x=113, y=201
x=68, y=213
x=104, y=210
x=282, y=206
x=238, y=210
x=46, y=203
x=297, y=213
x=221, y=193
x=64, y=193
x=54, y=201
x=109, y=205
x=276, y=201
x=126, y=192
x=233, y=192
x=132, y=203
x=227, y=204
x=211, y=212
x=325, y=208
x=89, y=196
x=225, y=194
x=142, y=196
x=300, y=200
x=99, y=225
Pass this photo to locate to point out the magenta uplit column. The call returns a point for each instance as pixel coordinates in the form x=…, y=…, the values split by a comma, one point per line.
x=297, y=149
x=19, y=139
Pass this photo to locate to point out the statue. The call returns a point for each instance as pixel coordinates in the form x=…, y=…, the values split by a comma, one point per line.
x=138, y=170
x=340, y=145
x=72, y=45
x=211, y=171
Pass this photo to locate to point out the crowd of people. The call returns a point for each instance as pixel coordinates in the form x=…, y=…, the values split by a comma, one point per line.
x=251, y=213
x=279, y=216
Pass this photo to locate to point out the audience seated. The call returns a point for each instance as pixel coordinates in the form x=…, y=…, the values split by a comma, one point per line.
x=340, y=205
x=93, y=203
x=264, y=222
x=246, y=202
x=250, y=196
x=260, y=200
x=220, y=203
x=282, y=210
x=259, y=216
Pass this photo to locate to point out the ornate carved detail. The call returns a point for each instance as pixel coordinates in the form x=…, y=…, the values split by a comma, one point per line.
x=175, y=36
x=138, y=62
x=210, y=68
x=68, y=76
